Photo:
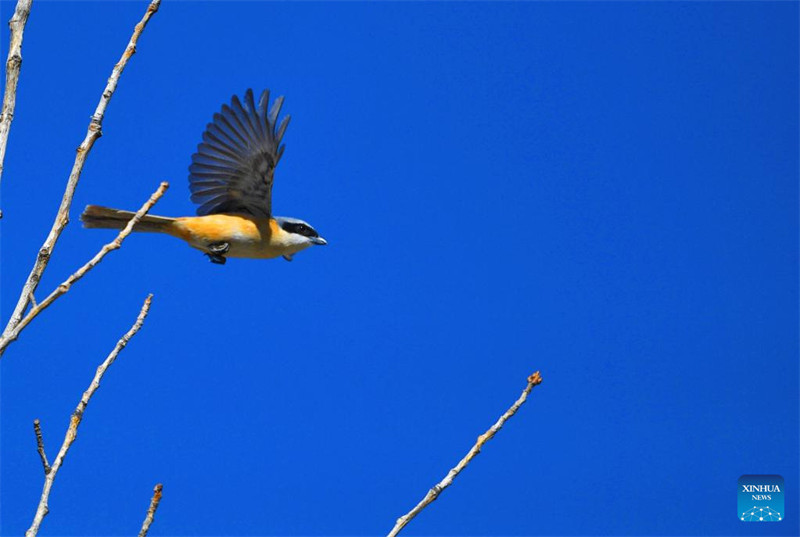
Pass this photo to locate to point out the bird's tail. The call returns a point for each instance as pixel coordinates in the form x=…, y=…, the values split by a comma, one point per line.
x=95, y=216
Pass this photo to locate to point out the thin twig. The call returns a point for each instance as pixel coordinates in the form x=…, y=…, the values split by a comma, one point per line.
x=13, y=65
x=65, y=286
x=62, y=218
x=533, y=380
x=37, y=430
x=151, y=511
x=77, y=416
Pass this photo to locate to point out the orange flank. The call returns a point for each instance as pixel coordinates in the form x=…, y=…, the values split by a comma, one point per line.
x=246, y=236
x=221, y=228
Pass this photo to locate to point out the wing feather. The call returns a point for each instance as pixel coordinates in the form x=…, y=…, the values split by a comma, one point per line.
x=274, y=111
x=224, y=127
x=233, y=168
x=202, y=166
x=236, y=126
x=252, y=114
x=243, y=118
x=282, y=128
x=219, y=140
x=263, y=103
x=205, y=158
x=207, y=151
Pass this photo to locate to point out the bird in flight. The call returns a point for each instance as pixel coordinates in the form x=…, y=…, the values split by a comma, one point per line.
x=231, y=180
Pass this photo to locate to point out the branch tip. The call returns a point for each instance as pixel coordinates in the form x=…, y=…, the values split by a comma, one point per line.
x=533, y=380
x=37, y=431
x=151, y=511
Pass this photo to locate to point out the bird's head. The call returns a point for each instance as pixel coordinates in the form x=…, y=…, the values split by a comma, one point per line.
x=300, y=233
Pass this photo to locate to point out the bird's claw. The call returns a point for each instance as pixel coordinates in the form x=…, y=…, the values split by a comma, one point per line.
x=217, y=259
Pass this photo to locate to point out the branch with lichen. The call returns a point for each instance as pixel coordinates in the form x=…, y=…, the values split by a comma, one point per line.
x=75, y=420
x=533, y=380
x=13, y=66
x=62, y=217
x=66, y=285
x=151, y=511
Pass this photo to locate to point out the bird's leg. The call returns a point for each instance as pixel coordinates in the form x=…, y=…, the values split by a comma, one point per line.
x=216, y=252
x=219, y=248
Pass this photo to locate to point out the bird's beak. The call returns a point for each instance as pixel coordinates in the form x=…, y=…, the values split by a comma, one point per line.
x=319, y=240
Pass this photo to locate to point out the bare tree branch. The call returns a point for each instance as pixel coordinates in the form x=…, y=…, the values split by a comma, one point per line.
x=533, y=380
x=151, y=511
x=37, y=430
x=13, y=65
x=62, y=218
x=77, y=416
x=65, y=286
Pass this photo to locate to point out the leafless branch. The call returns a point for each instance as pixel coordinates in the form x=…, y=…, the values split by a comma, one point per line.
x=77, y=416
x=37, y=430
x=533, y=380
x=151, y=511
x=13, y=65
x=62, y=218
x=65, y=286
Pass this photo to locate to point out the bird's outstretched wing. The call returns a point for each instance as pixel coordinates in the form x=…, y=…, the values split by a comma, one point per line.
x=233, y=167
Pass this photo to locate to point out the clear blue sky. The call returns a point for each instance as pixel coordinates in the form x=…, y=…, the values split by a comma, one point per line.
x=606, y=192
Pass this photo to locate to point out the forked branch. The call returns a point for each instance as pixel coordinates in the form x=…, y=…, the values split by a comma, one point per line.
x=77, y=416
x=62, y=218
x=65, y=286
x=533, y=380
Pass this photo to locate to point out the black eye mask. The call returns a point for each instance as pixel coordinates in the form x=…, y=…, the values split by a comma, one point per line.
x=300, y=229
